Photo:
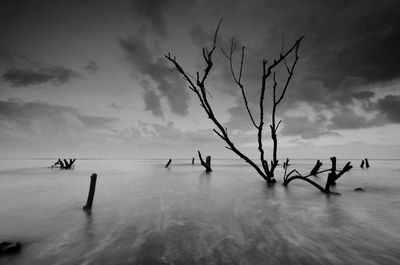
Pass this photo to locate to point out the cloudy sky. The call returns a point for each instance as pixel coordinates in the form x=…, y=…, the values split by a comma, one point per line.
x=88, y=78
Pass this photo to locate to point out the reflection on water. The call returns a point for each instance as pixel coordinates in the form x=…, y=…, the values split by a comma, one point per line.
x=146, y=214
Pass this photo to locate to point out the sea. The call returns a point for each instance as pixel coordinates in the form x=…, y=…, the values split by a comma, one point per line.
x=144, y=213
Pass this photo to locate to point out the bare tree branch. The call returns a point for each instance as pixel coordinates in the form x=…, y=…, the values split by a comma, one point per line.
x=239, y=78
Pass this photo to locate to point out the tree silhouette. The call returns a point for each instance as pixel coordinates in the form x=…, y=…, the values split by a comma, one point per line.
x=198, y=85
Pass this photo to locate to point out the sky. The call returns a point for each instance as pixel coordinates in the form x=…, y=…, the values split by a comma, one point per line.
x=89, y=78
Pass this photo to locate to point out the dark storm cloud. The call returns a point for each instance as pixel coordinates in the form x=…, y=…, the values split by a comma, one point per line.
x=153, y=11
x=343, y=38
x=23, y=77
x=389, y=106
x=168, y=83
x=348, y=44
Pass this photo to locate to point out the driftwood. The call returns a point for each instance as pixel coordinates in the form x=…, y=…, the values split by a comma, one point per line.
x=168, y=163
x=64, y=164
x=333, y=176
x=206, y=164
x=317, y=166
x=92, y=189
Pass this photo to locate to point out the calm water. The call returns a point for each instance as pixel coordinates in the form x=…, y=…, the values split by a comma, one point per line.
x=144, y=213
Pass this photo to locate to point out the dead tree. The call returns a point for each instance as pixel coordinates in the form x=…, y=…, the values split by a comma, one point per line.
x=198, y=86
x=317, y=166
x=168, y=163
x=333, y=176
x=206, y=164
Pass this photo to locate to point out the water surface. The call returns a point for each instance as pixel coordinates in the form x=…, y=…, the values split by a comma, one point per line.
x=144, y=213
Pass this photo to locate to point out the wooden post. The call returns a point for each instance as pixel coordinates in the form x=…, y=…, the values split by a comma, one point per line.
x=169, y=162
x=193, y=161
x=366, y=163
x=92, y=189
x=362, y=164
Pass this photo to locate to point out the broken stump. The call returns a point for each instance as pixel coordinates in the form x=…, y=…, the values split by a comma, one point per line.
x=92, y=189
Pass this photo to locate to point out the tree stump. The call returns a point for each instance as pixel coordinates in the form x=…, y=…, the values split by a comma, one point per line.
x=206, y=164
x=317, y=166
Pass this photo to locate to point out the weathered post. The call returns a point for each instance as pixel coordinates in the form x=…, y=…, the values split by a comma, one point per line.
x=92, y=189
x=169, y=162
x=366, y=163
x=192, y=160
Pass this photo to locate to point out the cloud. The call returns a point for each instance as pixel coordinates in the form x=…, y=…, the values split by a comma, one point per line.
x=153, y=11
x=152, y=103
x=305, y=127
x=364, y=94
x=23, y=77
x=97, y=121
x=115, y=105
x=34, y=118
x=389, y=106
x=346, y=118
x=92, y=67
x=199, y=36
x=156, y=75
